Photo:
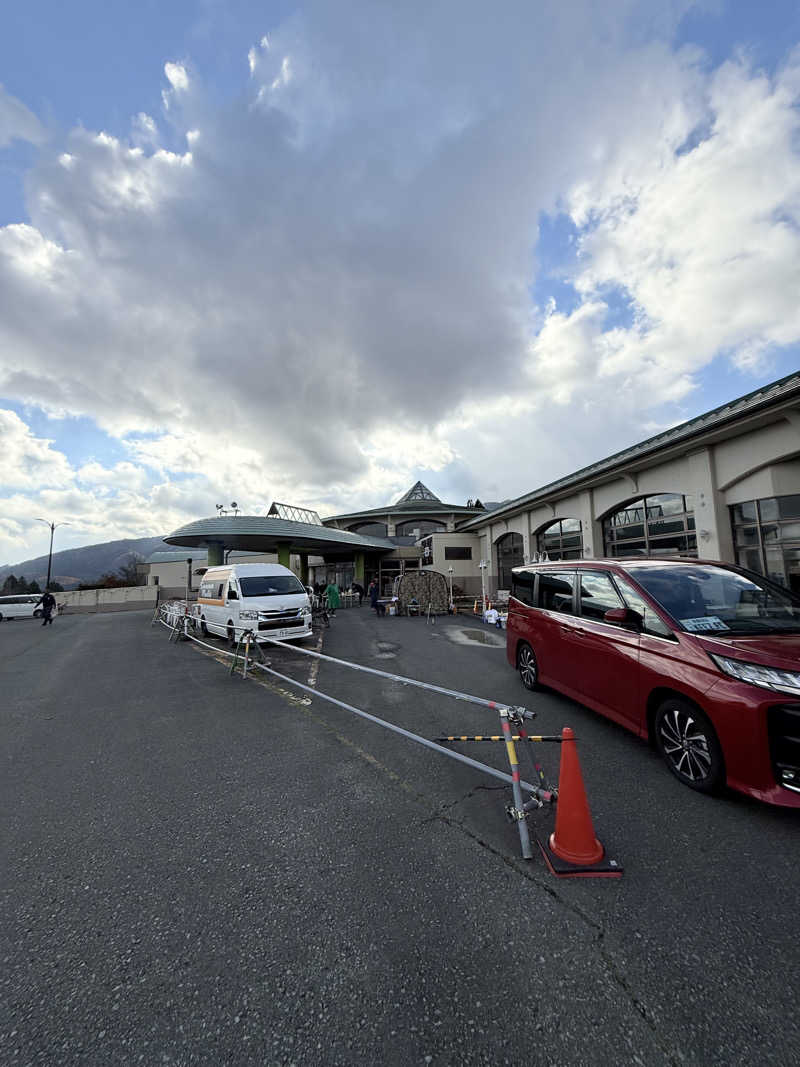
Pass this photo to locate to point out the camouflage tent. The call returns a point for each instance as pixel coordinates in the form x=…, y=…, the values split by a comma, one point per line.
x=426, y=587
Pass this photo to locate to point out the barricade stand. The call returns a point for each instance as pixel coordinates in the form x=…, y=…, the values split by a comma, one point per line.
x=517, y=813
x=538, y=795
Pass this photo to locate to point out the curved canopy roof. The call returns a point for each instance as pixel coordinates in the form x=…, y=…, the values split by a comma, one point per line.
x=259, y=533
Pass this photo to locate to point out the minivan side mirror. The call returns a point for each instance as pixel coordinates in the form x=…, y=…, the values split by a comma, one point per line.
x=627, y=618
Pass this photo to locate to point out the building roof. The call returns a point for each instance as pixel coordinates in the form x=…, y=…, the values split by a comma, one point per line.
x=259, y=533
x=418, y=491
x=626, y=460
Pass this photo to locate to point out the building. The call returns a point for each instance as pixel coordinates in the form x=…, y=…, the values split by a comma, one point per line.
x=724, y=485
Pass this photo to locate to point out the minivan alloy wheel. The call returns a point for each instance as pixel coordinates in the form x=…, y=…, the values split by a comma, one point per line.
x=528, y=670
x=687, y=741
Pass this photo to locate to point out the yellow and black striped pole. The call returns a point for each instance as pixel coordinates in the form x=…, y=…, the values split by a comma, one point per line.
x=522, y=826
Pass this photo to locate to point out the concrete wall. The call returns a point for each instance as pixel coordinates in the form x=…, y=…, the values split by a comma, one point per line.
x=126, y=598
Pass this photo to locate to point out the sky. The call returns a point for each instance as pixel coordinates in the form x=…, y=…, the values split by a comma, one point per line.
x=315, y=252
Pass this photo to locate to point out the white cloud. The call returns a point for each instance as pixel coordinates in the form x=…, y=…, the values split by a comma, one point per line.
x=330, y=291
x=17, y=122
x=28, y=460
x=177, y=76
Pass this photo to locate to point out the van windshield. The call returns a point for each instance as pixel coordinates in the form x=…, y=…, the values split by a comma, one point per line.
x=717, y=600
x=270, y=585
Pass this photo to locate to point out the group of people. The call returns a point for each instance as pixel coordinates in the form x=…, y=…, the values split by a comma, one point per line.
x=332, y=595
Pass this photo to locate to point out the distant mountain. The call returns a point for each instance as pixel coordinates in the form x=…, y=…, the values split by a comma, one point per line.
x=75, y=565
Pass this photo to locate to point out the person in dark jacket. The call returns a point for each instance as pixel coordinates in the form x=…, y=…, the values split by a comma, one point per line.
x=48, y=606
x=374, y=597
x=359, y=590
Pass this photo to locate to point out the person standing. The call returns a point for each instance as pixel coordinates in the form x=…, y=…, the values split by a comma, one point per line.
x=48, y=605
x=332, y=593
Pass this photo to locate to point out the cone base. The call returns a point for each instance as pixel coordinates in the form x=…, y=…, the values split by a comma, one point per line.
x=604, y=868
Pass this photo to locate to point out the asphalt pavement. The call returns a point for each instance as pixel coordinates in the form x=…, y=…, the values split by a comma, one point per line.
x=199, y=869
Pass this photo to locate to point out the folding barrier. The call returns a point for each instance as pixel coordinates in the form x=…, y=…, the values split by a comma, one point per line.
x=248, y=652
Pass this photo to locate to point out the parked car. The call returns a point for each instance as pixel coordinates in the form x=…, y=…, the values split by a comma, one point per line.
x=700, y=657
x=21, y=606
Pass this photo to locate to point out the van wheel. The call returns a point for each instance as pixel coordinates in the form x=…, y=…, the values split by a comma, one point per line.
x=1, y=616
x=38, y=613
x=203, y=627
x=527, y=667
x=231, y=636
x=689, y=745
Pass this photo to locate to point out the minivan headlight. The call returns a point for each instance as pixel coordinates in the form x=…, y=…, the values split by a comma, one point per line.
x=305, y=610
x=248, y=614
x=756, y=674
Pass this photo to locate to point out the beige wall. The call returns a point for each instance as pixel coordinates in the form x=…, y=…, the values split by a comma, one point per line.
x=126, y=598
x=763, y=461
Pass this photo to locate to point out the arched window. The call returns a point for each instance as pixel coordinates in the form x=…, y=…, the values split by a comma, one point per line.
x=658, y=525
x=509, y=554
x=370, y=529
x=562, y=539
x=418, y=527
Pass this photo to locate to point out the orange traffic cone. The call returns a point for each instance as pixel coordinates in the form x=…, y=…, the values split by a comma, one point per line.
x=573, y=850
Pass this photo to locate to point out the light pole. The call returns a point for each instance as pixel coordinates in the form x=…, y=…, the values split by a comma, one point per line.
x=484, y=563
x=450, y=575
x=52, y=526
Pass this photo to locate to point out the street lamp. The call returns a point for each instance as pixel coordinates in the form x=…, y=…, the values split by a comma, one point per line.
x=52, y=526
x=484, y=563
x=450, y=573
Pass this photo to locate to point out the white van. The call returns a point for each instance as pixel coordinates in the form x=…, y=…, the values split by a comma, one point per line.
x=22, y=606
x=264, y=597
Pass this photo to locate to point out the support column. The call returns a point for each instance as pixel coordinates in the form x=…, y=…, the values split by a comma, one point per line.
x=359, y=568
x=284, y=552
x=216, y=554
x=304, y=568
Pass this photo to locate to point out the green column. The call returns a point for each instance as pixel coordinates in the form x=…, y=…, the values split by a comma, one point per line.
x=284, y=551
x=359, y=568
x=304, y=568
x=216, y=554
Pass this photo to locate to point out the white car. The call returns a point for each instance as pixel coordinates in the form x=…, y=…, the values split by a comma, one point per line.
x=266, y=598
x=22, y=606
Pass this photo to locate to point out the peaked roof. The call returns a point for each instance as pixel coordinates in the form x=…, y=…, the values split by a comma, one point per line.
x=418, y=491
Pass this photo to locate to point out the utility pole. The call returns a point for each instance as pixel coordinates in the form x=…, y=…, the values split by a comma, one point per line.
x=52, y=527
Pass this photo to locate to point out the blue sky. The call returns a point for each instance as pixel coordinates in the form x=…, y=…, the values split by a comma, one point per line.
x=266, y=251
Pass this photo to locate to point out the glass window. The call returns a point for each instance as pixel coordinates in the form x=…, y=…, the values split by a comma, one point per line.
x=522, y=586
x=745, y=512
x=562, y=539
x=271, y=585
x=418, y=527
x=710, y=599
x=767, y=547
x=661, y=524
x=555, y=591
x=370, y=529
x=457, y=552
x=509, y=554
x=597, y=595
x=652, y=624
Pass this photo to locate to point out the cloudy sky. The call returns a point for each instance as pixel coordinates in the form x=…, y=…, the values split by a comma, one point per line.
x=313, y=252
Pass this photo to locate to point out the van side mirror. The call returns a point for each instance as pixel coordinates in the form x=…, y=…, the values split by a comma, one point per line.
x=627, y=618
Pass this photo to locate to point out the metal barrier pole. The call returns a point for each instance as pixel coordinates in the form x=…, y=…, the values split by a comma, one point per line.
x=518, y=813
x=524, y=713
x=501, y=775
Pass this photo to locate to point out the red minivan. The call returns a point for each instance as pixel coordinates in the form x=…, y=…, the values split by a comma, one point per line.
x=700, y=657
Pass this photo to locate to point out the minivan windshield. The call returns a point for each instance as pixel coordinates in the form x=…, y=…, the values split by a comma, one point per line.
x=706, y=599
x=270, y=585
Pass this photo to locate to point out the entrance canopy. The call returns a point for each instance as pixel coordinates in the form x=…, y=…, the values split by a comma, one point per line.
x=258, y=533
